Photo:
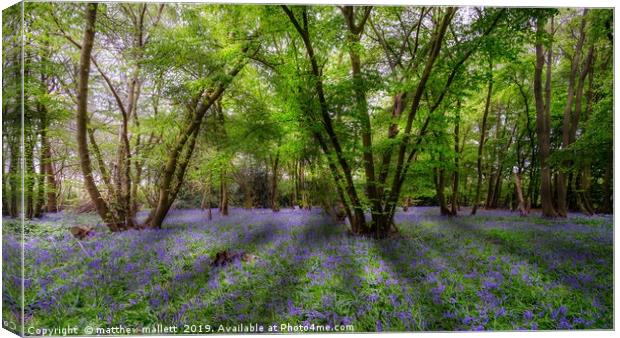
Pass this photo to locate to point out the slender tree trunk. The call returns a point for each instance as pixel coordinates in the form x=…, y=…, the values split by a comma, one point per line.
x=568, y=120
x=543, y=119
x=50, y=175
x=488, y=202
x=440, y=185
x=495, y=165
x=40, y=200
x=29, y=172
x=305, y=203
x=497, y=191
x=14, y=179
x=210, y=215
x=530, y=197
x=483, y=130
x=274, y=184
x=223, y=193
x=457, y=155
x=407, y=204
x=522, y=208
x=403, y=161
x=295, y=185
x=584, y=175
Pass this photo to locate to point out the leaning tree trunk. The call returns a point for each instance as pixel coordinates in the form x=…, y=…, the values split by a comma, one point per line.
x=180, y=154
x=82, y=120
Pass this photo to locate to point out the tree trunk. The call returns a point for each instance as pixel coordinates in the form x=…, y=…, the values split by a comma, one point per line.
x=15, y=173
x=457, y=155
x=181, y=152
x=543, y=119
x=295, y=185
x=407, y=204
x=40, y=200
x=403, y=161
x=305, y=202
x=488, y=202
x=568, y=120
x=274, y=184
x=440, y=185
x=483, y=130
x=223, y=193
x=354, y=35
x=82, y=98
x=29, y=172
x=5, y=186
x=206, y=198
x=585, y=183
x=522, y=208
x=210, y=215
x=50, y=175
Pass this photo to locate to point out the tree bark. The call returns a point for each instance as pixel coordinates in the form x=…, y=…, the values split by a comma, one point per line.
x=440, y=185
x=543, y=119
x=457, y=155
x=568, y=120
x=82, y=98
x=223, y=194
x=14, y=179
x=274, y=184
x=584, y=175
x=522, y=208
x=29, y=172
x=483, y=131
x=51, y=186
x=354, y=35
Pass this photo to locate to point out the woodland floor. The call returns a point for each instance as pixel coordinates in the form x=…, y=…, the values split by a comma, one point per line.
x=492, y=271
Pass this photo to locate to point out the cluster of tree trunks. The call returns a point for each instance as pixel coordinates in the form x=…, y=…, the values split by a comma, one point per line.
x=119, y=205
x=382, y=201
x=383, y=173
x=120, y=215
